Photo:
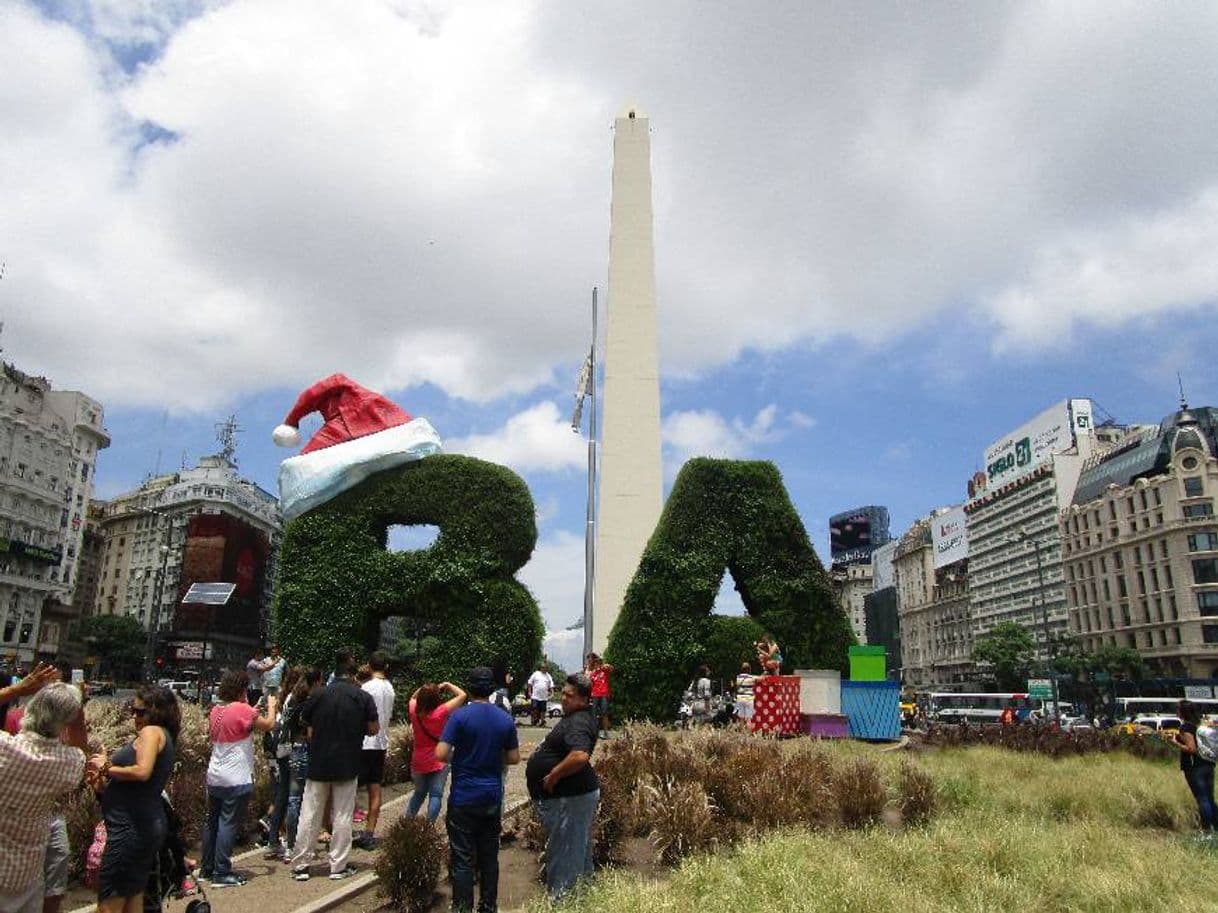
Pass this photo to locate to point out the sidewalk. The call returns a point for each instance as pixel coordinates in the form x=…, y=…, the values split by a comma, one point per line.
x=271, y=888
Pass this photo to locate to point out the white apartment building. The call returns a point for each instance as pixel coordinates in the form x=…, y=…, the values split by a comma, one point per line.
x=1141, y=546
x=853, y=585
x=1015, y=554
x=932, y=607
x=49, y=441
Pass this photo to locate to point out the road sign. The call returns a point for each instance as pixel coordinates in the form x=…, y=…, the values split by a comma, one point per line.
x=1198, y=692
x=190, y=649
x=1040, y=687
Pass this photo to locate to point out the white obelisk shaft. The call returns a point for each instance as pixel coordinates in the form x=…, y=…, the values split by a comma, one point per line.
x=630, y=475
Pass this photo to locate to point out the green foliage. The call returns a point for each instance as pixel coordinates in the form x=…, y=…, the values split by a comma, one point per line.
x=1117, y=660
x=1008, y=650
x=337, y=580
x=731, y=641
x=118, y=641
x=721, y=514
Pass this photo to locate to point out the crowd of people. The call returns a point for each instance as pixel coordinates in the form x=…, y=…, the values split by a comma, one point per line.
x=325, y=741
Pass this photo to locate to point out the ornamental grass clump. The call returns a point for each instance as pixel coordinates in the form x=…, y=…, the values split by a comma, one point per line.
x=860, y=793
x=409, y=863
x=682, y=819
x=397, y=758
x=919, y=799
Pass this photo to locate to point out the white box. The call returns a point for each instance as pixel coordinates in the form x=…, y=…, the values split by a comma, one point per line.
x=820, y=690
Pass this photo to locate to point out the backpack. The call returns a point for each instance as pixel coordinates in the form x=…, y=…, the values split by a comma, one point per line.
x=1207, y=743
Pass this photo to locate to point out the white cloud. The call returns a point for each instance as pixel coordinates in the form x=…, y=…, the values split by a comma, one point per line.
x=537, y=439
x=417, y=192
x=555, y=576
x=565, y=648
x=705, y=432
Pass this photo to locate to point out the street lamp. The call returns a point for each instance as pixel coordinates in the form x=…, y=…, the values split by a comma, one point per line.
x=1044, y=619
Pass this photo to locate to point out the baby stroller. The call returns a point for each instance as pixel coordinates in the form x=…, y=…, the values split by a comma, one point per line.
x=170, y=878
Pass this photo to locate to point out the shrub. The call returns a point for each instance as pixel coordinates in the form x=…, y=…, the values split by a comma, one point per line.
x=187, y=790
x=409, y=862
x=337, y=580
x=722, y=515
x=919, y=799
x=860, y=793
x=1049, y=741
x=681, y=817
x=81, y=813
x=397, y=758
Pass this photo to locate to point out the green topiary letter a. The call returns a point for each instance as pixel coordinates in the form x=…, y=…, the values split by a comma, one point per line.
x=721, y=515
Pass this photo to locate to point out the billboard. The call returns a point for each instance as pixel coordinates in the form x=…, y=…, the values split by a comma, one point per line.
x=949, y=536
x=1016, y=454
x=882, y=576
x=849, y=539
x=223, y=549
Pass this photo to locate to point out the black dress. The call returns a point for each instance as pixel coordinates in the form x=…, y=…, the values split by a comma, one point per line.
x=135, y=825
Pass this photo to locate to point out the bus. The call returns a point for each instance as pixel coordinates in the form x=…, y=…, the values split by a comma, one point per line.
x=987, y=706
x=1129, y=707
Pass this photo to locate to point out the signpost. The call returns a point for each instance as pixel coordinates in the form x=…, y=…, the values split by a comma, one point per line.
x=1041, y=688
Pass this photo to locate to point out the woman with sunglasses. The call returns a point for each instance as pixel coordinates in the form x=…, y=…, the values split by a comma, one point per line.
x=131, y=781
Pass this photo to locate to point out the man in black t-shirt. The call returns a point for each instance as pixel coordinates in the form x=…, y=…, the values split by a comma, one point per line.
x=337, y=719
x=565, y=790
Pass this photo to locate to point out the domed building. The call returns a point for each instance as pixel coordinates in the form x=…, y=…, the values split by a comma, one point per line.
x=1140, y=547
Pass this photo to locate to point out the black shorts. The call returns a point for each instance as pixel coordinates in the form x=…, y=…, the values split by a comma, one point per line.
x=372, y=766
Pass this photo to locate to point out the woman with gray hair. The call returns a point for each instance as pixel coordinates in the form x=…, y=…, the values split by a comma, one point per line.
x=36, y=769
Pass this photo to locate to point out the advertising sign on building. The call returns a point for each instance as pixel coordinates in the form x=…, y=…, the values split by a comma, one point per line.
x=882, y=576
x=854, y=534
x=949, y=536
x=1031, y=444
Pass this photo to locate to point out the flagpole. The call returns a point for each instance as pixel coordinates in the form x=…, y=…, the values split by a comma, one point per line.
x=590, y=524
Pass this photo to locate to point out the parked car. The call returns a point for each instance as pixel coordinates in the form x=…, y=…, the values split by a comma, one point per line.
x=185, y=690
x=554, y=708
x=1151, y=724
x=101, y=687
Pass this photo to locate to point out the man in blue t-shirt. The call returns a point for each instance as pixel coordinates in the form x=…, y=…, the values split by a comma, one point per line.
x=478, y=740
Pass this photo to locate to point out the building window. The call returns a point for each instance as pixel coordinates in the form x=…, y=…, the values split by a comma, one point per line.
x=1193, y=487
x=1107, y=590
x=1122, y=589
x=1207, y=603
x=1176, y=634
x=1124, y=615
x=1171, y=584
x=1171, y=601
x=1205, y=570
x=1129, y=503
x=1196, y=511
x=1141, y=584
x=1206, y=541
x=1145, y=505
x=1103, y=565
x=1158, y=498
x=1209, y=634
x=1154, y=580
x=1112, y=510
x=1162, y=638
x=1163, y=552
x=1117, y=561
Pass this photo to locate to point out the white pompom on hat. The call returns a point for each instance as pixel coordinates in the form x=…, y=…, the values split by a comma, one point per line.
x=286, y=436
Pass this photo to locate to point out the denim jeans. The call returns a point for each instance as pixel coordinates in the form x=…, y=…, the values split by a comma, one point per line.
x=281, y=773
x=430, y=787
x=568, y=822
x=473, y=842
x=225, y=811
x=298, y=770
x=1200, y=779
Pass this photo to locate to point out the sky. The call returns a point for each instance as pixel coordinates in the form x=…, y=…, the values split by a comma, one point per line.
x=885, y=234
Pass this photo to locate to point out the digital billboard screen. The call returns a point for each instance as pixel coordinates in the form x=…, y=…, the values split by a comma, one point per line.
x=850, y=539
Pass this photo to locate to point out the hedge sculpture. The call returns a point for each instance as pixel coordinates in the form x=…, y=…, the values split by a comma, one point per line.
x=337, y=580
x=721, y=514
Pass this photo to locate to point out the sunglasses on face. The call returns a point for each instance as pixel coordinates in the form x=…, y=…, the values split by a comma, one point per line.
x=139, y=711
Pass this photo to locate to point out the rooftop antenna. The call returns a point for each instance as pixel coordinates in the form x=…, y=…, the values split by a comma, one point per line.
x=185, y=460
x=226, y=434
x=1179, y=382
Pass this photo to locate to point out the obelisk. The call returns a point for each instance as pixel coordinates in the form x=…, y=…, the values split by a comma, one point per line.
x=630, y=487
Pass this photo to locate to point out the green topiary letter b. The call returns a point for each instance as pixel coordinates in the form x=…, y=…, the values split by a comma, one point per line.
x=337, y=581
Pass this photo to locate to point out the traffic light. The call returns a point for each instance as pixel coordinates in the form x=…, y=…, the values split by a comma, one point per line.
x=160, y=662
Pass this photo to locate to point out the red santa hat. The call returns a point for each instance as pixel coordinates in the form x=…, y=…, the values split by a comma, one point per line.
x=350, y=410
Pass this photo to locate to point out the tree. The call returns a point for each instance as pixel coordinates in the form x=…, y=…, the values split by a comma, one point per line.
x=1008, y=649
x=119, y=642
x=731, y=641
x=1117, y=660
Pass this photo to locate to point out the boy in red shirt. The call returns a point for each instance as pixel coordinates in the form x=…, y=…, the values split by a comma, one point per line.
x=598, y=672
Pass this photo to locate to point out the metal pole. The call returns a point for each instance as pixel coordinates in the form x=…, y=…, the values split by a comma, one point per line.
x=590, y=522
x=1050, y=649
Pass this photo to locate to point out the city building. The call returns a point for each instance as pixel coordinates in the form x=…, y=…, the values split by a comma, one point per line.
x=881, y=621
x=1141, y=546
x=854, y=534
x=852, y=583
x=49, y=441
x=631, y=485
x=1014, y=543
x=930, y=567
x=201, y=525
